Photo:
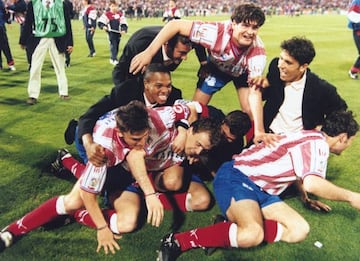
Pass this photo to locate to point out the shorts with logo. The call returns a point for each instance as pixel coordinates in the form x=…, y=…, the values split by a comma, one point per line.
x=218, y=79
x=231, y=183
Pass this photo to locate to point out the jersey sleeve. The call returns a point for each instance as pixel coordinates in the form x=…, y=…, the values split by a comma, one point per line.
x=310, y=158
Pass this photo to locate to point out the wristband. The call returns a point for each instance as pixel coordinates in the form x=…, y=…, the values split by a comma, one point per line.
x=150, y=194
x=101, y=228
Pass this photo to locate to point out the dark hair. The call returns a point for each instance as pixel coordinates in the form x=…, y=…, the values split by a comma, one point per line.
x=300, y=48
x=248, y=13
x=132, y=117
x=153, y=68
x=178, y=38
x=239, y=123
x=340, y=122
x=210, y=126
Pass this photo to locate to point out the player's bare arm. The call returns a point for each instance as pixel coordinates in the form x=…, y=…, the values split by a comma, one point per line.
x=325, y=189
x=141, y=60
x=105, y=236
x=136, y=161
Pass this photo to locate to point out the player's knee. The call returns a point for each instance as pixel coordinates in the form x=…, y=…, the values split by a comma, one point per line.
x=299, y=231
x=250, y=236
x=172, y=183
x=201, y=202
x=126, y=223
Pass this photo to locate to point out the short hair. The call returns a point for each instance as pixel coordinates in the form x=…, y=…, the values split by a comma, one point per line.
x=132, y=117
x=153, y=68
x=179, y=38
x=112, y=2
x=248, y=13
x=238, y=122
x=300, y=48
x=211, y=126
x=340, y=122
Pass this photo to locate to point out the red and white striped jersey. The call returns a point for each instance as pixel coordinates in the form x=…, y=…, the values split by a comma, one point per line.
x=159, y=155
x=294, y=155
x=216, y=37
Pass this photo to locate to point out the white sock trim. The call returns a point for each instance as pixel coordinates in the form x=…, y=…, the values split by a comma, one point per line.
x=113, y=224
x=233, y=235
x=188, y=202
x=280, y=231
x=60, y=205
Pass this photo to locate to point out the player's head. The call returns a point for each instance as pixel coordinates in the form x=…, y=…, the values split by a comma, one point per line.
x=132, y=121
x=177, y=48
x=248, y=13
x=202, y=135
x=246, y=21
x=295, y=57
x=157, y=83
x=235, y=125
x=340, y=127
x=113, y=5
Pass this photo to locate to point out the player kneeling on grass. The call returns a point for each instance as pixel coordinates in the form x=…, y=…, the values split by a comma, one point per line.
x=137, y=138
x=247, y=189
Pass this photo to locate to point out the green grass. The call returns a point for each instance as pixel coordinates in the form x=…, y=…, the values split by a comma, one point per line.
x=31, y=135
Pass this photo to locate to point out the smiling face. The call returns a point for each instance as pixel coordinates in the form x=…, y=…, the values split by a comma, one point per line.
x=244, y=33
x=290, y=69
x=179, y=53
x=157, y=87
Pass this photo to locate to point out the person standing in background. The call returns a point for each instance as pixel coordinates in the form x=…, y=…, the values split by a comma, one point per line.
x=4, y=43
x=354, y=24
x=72, y=14
x=171, y=12
x=114, y=23
x=89, y=20
x=41, y=36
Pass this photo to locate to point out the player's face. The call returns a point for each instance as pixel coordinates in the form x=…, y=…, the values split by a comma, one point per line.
x=290, y=69
x=196, y=143
x=225, y=131
x=113, y=8
x=135, y=140
x=179, y=53
x=158, y=87
x=342, y=144
x=244, y=33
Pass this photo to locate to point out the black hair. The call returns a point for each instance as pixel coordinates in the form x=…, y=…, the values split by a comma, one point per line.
x=155, y=67
x=340, y=122
x=300, y=48
x=238, y=122
x=248, y=13
x=132, y=117
x=210, y=126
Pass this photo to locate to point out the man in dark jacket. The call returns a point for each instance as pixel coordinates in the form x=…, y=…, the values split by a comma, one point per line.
x=47, y=28
x=171, y=55
x=296, y=98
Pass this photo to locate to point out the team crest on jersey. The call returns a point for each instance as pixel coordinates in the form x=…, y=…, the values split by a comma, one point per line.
x=94, y=182
x=47, y=3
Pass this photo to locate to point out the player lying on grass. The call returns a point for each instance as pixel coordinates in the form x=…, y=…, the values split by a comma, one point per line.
x=137, y=138
x=247, y=189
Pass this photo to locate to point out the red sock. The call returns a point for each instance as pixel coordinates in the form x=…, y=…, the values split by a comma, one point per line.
x=355, y=70
x=180, y=199
x=250, y=134
x=36, y=218
x=75, y=166
x=82, y=216
x=216, y=235
x=272, y=231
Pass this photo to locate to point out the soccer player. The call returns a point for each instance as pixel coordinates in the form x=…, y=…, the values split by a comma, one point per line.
x=247, y=189
x=354, y=24
x=139, y=139
x=236, y=52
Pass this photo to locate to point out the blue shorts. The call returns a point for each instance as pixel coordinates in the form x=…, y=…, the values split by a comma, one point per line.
x=218, y=79
x=231, y=183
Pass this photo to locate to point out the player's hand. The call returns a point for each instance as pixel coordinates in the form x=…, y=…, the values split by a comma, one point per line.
x=316, y=205
x=269, y=139
x=203, y=71
x=259, y=82
x=155, y=210
x=22, y=46
x=96, y=154
x=140, y=62
x=106, y=240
